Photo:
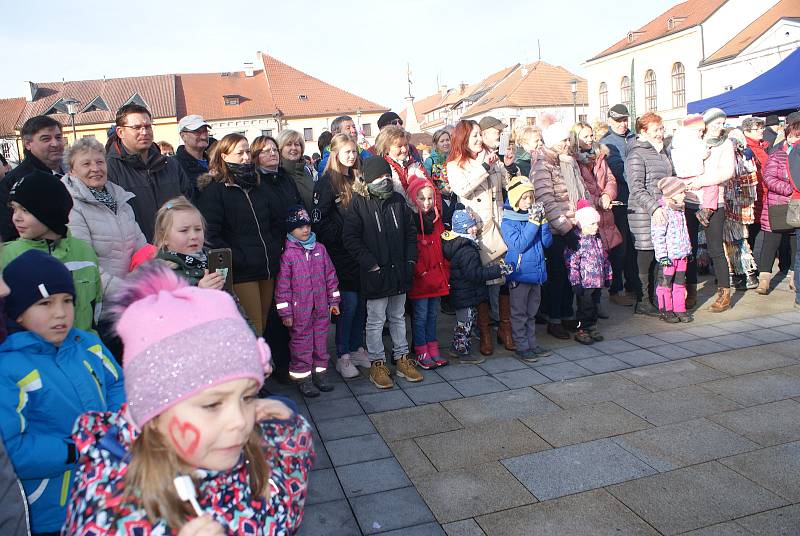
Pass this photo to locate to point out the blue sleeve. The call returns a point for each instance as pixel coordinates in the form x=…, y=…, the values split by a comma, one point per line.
x=428, y=165
x=547, y=236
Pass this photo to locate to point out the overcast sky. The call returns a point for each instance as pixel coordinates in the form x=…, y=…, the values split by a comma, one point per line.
x=360, y=46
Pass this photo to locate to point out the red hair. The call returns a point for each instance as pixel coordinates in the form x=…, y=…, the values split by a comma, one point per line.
x=459, y=147
x=646, y=120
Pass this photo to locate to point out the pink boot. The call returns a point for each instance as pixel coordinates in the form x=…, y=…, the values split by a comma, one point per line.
x=433, y=352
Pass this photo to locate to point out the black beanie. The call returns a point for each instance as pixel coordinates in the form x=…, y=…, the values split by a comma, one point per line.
x=43, y=195
x=296, y=216
x=32, y=276
x=375, y=167
x=772, y=120
x=386, y=118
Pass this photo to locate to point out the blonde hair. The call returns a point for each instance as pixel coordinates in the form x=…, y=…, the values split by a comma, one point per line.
x=387, y=137
x=340, y=177
x=525, y=134
x=291, y=135
x=164, y=218
x=600, y=129
x=154, y=464
x=575, y=132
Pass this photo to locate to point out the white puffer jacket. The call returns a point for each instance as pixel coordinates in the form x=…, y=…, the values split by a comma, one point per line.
x=114, y=237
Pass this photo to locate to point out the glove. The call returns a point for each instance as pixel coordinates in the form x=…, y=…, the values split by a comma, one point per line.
x=577, y=290
x=505, y=268
x=537, y=209
x=664, y=261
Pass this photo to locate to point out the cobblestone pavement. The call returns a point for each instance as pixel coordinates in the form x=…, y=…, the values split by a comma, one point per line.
x=660, y=429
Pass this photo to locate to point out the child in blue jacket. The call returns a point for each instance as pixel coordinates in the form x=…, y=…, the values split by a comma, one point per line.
x=526, y=233
x=50, y=373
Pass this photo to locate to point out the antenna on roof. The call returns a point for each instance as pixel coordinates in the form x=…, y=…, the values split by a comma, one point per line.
x=408, y=74
x=539, y=46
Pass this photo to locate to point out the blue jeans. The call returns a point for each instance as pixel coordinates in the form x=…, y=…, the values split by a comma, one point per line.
x=426, y=312
x=351, y=323
x=797, y=270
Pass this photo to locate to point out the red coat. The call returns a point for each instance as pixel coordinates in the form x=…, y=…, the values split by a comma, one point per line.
x=599, y=180
x=761, y=158
x=432, y=271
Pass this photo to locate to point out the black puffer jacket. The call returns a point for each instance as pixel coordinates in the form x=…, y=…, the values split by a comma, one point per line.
x=282, y=194
x=190, y=165
x=468, y=276
x=327, y=220
x=644, y=167
x=153, y=183
x=381, y=233
x=30, y=164
x=239, y=219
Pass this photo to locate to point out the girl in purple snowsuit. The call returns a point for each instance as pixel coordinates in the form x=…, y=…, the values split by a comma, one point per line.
x=307, y=293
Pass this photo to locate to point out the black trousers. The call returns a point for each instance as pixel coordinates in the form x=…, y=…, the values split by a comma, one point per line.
x=645, y=260
x=587, y=300
x=770, y=246
x=714, y=243
x=623, y=257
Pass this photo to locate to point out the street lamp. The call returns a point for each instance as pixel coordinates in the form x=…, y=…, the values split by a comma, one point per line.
x=72, y=110
x=573, y=86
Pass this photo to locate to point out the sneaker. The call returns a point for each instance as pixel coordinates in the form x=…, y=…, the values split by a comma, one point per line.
x=307, y=388
x=669, y=317
x=360, y=358
x=379, y=375
x=425, y=361
x=469, y=359
x=622, y=299
x=404, y=368
x=540, y=351
x=684, y=317
x=321, y=380
x=583, y=337
x=557, y=331
x=440, y=361
x=346, y=368
x=646, y=308
x=595, y=335
x=523, y=354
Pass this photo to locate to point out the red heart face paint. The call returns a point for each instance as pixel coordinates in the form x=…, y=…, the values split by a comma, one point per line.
x=185, y=437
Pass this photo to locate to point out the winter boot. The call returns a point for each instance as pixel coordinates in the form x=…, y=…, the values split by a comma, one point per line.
x=751, y=280
x=486, y=346
x=738, y=281
x=764, y=279
x=644, y=306
x=504, y=331
x=723, y=302
x=691, y=295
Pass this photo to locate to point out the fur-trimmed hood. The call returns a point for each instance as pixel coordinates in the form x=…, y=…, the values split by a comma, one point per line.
x=360, y=188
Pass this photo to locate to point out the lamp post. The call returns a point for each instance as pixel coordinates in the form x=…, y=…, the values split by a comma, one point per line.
x=573, y=86
x=72, y=110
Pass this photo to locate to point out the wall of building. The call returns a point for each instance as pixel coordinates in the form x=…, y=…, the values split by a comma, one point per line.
x=731, y=18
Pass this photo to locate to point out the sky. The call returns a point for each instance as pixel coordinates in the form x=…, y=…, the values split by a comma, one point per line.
x=361, y=46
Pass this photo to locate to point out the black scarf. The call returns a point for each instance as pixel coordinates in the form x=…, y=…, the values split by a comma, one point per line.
x=103, y=196
x=244, y=175
x=427, y=221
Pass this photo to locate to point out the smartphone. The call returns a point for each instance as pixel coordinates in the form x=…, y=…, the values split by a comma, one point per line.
x=221, y=261
x=505, y=137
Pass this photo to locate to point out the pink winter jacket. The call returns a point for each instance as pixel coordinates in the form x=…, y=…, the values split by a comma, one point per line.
x=599, y=180
x=778, y=185
x=306, y=281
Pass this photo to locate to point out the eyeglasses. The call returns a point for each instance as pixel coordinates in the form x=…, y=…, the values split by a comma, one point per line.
x=269, y=151
x=398, y=122
x=139, y=128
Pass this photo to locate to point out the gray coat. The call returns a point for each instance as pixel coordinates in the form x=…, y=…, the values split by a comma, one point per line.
x=644, y=167
x=13, y=505
x=114, y=237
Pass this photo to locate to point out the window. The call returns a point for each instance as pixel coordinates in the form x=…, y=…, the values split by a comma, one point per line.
x=650, y=101
x=308, y=134
x=88, y=136
x=231, y=100
x=513, y=123
x=625, y=91
x=603, y=101
x=581, y=118
x=367, y=129
x=530, y=121
x=267, y=132
x=678, y=85
x=303, y=97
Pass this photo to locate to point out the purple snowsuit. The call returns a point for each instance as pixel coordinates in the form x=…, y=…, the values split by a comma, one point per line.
x=306, y=290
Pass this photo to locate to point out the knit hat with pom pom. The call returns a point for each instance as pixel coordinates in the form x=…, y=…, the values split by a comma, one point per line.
x=586, y=214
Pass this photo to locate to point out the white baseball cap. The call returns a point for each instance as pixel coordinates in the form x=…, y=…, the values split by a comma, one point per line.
x=192, y=122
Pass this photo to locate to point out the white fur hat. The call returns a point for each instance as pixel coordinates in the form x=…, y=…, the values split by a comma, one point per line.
x=555, y=133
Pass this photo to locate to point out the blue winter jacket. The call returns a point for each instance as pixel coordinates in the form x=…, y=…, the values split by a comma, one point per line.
x=526, y=242
x=43, y=390
x=618, y=152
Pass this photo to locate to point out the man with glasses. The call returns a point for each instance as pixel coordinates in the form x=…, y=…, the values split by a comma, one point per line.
x=192, y=155
x=343, y=124
x=136, y=164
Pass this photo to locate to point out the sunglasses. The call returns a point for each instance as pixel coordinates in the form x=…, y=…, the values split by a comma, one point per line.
x=398, y=122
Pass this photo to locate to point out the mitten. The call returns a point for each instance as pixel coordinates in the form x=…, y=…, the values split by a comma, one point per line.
x=505, y=268
x=664, y=261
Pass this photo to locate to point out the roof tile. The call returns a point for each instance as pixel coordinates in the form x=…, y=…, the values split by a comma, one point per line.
x=10, y=110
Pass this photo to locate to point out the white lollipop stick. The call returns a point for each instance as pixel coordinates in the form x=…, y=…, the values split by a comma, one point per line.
x=185, y=487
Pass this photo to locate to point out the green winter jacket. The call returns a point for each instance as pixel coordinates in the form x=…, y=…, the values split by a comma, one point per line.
x=81, y=260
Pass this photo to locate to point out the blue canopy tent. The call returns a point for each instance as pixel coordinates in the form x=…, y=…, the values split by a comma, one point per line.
x=776, y=91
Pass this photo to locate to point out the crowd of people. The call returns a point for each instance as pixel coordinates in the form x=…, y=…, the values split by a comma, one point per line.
x=143, y=284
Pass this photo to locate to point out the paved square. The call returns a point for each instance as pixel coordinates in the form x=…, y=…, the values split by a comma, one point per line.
x=390, y=510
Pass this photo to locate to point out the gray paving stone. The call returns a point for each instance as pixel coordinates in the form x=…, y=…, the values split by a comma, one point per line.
x=429, y=377
x=552, y=359
x=769, y=424
x=706, y=331
x=515, y=379
x=563, y=371
x=584, y=423
x=775, y=468
x=413, y=422
x=371, y=477
x=769, y=335
x=493, y=365
x=390, y=510
x=591, y=513
x=721, y=529
x=578, y=352
x=430, y=394
x=768, y=321
x=323, y=486
x=791, y=329
x=566, y=470
x=676, y=405
x=703, y=346
x=736, y=340
x=781, y=522
x=793, y=370
x=735, y=326
x=411, y=457
x=640, y=357
x=478, y=385
x=614, y=346
x=362, y=386
x=581, y=391
x=385, y=401
x=463, y=493
x=459, y=372
x=504, y=405
x=467, y=527
x=340, y=391
x=428, y=529
x=674, y=337
x=331, y=519
x=357, y=449
x=480, y=444
x=345, y=427
x=672, y=374
x=602, y=363
x=334, y=409
x=694, y=497
x=671, y=351
x=756, y=388
x=746, y=360
x=321, y=461
x=644, y=341
x=791, y=317
x=677, y=445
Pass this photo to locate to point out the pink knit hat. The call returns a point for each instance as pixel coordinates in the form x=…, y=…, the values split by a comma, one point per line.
x=180, y=340
x=586, y=214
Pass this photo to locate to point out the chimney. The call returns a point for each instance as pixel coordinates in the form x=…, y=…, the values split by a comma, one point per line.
x=524, y=71
x=248, y=69
x=462, y=87
x=30, y=91
x=443, y=90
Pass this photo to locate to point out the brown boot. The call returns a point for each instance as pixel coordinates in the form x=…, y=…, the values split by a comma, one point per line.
x=723, y=302
x=691, y=295
x=486, y=346
x=764, y=279
x=504, y=330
